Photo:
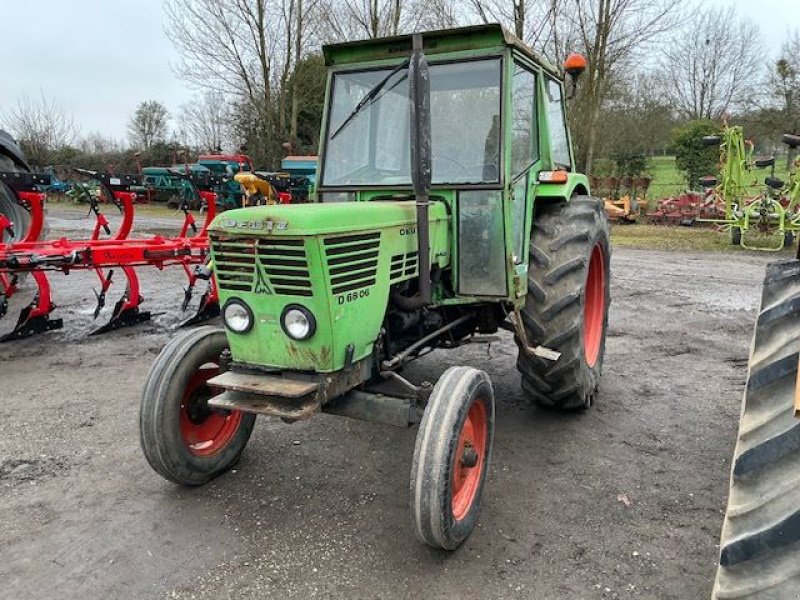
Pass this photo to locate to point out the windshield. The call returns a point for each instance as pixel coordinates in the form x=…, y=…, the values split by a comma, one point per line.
x=373, y=147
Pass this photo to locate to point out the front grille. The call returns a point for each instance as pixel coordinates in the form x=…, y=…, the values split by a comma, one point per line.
x=273, y=266
x=352, y=261
x=234, y=263
x=286, y=265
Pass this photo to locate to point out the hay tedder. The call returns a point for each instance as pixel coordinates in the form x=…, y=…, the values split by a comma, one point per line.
x=767, y=221
x=425, y=234
x=104, y=251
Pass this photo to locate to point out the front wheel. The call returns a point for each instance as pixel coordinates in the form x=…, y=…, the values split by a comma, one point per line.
x=184, y=440
x=451, y=457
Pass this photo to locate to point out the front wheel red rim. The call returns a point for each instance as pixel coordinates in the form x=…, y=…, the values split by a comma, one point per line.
x=594, y=307
x=469, y=459
x=205, y=431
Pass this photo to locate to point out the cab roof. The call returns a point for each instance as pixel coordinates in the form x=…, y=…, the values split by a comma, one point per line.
x=476, y=37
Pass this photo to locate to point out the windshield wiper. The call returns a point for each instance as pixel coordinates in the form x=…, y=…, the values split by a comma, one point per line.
x=371, y=96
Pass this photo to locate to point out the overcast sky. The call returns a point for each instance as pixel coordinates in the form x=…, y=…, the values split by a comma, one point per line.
x=100, y=58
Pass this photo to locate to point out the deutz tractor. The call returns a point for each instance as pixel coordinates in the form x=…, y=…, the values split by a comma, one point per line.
x=447, y=206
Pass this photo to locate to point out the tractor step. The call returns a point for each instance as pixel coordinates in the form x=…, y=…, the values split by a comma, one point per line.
x=272, y=395
x=273, y=406
x=264, y=385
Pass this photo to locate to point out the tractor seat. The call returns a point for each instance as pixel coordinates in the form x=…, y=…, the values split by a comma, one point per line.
x=712, y=140
x=764, y=162
x=774, y=183
x=791, y=140
x=708, y=181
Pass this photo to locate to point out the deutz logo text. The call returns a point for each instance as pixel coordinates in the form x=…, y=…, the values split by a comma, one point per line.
x=256, y=225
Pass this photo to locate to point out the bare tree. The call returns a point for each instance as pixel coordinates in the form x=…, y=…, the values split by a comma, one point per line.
x=611, y=33
x=711, y=63
x=96, y=143
x=148, y=124
x=247, y=50
x=41, y=126
x=359, y=19
x=784, y=79
x=204, y=123
x=532, y=21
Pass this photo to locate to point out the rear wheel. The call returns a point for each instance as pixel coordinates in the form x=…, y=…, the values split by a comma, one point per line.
x=567, y=304
x=788, y=239
x=760, y=543
x=12, y=209
x=451, y=457
x=183, y=439
x=736, y=236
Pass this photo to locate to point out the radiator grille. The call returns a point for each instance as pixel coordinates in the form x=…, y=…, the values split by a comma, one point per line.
x=352, y=261
x=264, y=266
x=234, y=263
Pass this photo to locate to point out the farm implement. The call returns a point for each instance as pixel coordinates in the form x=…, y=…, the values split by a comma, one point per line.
x=768, y=221
x=624, y=198
x=417, y=242
x=105, y=252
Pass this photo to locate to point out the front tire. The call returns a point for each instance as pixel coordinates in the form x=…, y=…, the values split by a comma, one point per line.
x=451, y=457
x=566, y=308
x=184, y=440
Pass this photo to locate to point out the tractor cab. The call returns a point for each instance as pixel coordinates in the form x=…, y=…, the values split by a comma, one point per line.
x=497, y=119
x=439, y=151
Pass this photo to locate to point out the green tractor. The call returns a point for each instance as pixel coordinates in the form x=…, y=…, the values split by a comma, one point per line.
x=447, y=206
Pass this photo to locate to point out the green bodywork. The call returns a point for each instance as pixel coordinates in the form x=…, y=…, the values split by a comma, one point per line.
x=341, y=256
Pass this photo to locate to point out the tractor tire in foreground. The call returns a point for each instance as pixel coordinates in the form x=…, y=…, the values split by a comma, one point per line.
x=760, y=544
x=451, y=457
x=184, y=440
x=566, y=308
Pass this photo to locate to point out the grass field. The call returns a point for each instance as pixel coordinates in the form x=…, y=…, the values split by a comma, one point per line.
x=668, y=181
x=660, y=237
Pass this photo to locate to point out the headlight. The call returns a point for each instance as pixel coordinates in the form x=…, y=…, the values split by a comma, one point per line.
x=298, y=322
x=237, y=316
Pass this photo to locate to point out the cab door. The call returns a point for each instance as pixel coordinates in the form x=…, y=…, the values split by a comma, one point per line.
x=524, y=151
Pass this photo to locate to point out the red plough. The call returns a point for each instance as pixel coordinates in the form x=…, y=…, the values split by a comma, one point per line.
x=103, y=255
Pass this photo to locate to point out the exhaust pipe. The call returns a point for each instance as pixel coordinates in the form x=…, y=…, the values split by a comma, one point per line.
x=420, y=99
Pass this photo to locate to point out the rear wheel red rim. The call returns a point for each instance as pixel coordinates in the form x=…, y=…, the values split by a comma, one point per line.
x=594, y=307
x=205, y=431
x=469, y=459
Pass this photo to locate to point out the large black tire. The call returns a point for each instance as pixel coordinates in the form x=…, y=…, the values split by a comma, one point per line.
x=566, y=308
x=174, y=422
x=9, y=206
x=447, y=479
x=760, y=543
x=736, y=236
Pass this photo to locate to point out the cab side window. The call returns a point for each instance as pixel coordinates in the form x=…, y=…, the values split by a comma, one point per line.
x=524, y=135
x=559, y=142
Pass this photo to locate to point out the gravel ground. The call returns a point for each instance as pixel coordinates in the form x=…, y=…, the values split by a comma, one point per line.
x=623, y=501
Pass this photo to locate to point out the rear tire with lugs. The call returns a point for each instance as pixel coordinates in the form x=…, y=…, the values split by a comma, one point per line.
x=760, y=542
x=566, y=308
